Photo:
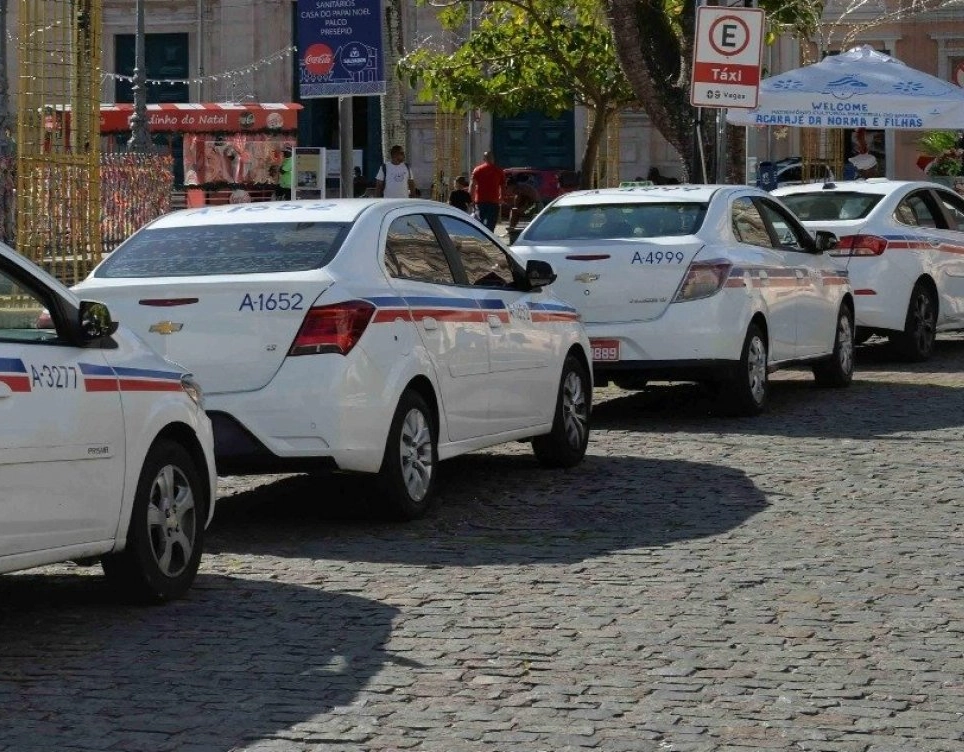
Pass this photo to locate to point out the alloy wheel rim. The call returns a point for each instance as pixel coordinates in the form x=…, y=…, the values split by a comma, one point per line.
x=171, y=520
x=575, y=410
x=845, y=344
x=757, y=369
x=415, y=444
x=924, y=323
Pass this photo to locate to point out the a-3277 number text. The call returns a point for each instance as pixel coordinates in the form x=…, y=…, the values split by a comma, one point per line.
x=272, y=301
x=54, y=377
x=659, y=257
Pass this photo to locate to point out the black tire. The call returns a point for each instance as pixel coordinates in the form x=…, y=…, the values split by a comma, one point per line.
x=631, y=383
x=916, y=342
x=565, y=445
x=166, y=531
x=410, y=463
x=746, y=393
x=837, y=370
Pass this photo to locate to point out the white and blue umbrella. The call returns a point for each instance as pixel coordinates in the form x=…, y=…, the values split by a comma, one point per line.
x=860, y=88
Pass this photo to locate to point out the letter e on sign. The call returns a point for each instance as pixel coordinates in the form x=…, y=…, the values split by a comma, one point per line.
x=727, y=57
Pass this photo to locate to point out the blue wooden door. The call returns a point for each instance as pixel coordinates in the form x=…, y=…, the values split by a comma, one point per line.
x=532, y=139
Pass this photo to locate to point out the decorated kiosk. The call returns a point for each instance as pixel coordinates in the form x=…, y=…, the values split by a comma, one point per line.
x=223, y=152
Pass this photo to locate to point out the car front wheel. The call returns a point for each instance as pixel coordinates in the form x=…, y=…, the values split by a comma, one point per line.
x=565, y=445
x=166, y=531
x=838, y=369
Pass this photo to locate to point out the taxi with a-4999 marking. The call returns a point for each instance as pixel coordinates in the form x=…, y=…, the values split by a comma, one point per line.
x=713, y=283
x=376, y=336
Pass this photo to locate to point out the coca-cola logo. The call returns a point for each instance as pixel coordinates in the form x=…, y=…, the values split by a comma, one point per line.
x=246, y=120
x=319, y=59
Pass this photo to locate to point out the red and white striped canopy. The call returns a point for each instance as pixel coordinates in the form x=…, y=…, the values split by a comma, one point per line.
x=202, y=117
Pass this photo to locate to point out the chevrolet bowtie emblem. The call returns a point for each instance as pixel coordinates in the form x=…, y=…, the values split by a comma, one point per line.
x=165, y=327
x=586, y=277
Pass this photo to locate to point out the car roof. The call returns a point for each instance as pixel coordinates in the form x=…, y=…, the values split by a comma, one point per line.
x=316, y=210
x=879, y=186
x=686, y=192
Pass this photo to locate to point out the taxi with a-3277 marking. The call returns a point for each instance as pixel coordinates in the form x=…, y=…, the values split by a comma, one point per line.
x=105, y=450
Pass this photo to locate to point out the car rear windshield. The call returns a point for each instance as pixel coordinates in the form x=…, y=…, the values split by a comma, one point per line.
x=616, y=221
x=207, y=250
x=831, y=205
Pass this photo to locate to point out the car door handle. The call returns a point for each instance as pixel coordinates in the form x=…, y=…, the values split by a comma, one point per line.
x=800, y=274
x=494, y=321
x=429, y=324
x=5, y=390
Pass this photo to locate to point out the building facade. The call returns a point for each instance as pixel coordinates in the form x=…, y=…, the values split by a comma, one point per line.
x=243, y=51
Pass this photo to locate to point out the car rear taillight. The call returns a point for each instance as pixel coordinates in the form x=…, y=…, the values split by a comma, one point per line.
x=703, y=279
x=860, y=245
x=332, y=328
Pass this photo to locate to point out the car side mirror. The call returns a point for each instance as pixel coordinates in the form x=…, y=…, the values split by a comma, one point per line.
x=95, y=320
x=825, y=240
x=539, y=273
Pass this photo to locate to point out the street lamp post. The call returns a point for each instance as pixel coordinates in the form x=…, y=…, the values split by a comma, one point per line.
x=140, y=135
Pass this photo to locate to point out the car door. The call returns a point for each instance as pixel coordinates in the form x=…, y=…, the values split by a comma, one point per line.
x=771, y=277
x=815, y=281
x=450, y=323
x=521, y=346
x=62, y=448
x=951, y=283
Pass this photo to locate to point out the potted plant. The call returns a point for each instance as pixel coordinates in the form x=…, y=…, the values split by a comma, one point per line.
x=947, y=155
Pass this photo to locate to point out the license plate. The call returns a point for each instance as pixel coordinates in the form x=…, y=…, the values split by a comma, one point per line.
x=604, y=349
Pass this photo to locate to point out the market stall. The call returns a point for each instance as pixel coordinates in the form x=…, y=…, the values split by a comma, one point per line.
x=223, y=151
x=861, y=93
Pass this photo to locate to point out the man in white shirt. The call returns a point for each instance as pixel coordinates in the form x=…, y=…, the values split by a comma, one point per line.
x=398, y=182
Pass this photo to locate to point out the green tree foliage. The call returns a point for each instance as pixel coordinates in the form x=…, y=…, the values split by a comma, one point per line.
x=546, y=55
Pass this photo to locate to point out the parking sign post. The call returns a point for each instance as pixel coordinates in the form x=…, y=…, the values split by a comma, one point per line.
x=727, y=57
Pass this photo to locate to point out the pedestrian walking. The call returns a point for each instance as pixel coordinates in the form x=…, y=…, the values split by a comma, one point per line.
x=460, y=196
x=394, y=178
x=486, y=190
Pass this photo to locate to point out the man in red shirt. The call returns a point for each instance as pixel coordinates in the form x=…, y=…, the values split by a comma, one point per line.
x=486, y=190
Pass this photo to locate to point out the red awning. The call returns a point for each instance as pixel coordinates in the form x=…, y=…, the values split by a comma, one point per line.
x=199, y=117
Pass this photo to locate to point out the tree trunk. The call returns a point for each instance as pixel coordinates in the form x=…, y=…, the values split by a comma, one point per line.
x=597, y=131
x=656, y=62
x=393, y=106
x=4, y=89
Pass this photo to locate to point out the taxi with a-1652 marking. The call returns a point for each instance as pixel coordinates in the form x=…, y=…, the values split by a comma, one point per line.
x=375, y=336
x=713, y=283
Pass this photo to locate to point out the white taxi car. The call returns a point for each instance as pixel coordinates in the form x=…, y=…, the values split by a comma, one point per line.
x=905, y=245
x=372, y=335
x=717, y=284
x=105, y=450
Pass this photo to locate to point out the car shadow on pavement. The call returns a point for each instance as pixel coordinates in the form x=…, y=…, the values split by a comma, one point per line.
x=237, y=660
x=494, y=509
x=872, y=407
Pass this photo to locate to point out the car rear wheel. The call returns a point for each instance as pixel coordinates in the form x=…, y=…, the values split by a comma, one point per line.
x=916, y=342
x=166, y=531
x=746, y=393
x=407, y=476
x=565, y=445
x=838, y=369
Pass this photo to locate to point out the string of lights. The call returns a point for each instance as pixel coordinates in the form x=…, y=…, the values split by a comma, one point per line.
x=281, y=54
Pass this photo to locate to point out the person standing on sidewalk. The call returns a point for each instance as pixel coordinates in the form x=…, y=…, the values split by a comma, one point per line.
x=394, y=178
x=486, y=190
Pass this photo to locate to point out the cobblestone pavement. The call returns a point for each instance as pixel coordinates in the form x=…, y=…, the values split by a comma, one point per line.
x=790, y=582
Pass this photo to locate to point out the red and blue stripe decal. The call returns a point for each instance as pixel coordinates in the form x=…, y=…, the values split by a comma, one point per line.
x=109, y=379
x=462, y=310
x=13, y=373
